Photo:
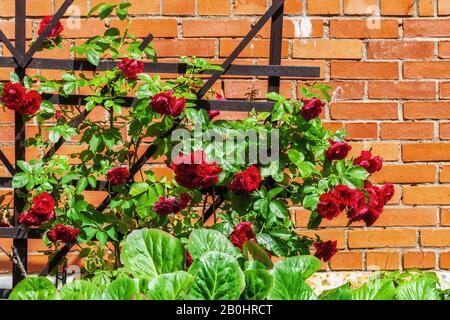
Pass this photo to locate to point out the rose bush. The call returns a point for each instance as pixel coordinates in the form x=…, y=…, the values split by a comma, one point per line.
x=311, y=166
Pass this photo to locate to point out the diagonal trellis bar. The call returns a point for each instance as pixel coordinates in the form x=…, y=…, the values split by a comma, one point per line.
x=21, y=60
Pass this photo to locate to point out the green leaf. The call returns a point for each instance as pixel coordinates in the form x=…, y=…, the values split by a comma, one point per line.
x=375, y=290
x=340, y=293
x=258, y=284
x=20, y=180
x=268, y=242
x=278, y=209
x=303, y=266
x=202, y=241
x=34, y=288
x=95, y=8
x=138, y=188
x=423, y=288
x=252, y=251
x=289, y=285
x=14, y=78
x=149, y=252
x=217, y=277
x=121, y=289
x=93, y=57
x=81, y=185
x=170, y=286
x=69, y=177
x=80, y=290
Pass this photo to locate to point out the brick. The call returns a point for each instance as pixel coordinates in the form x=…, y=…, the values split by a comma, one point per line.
x=360, y=29
x=444, y=90
x=426, y=8
x=8, y=8
x=216, y=28
x=163, y=28
x=419, y=260
x=443, y=7
x=7, y=134
x=214, y=8
x=445, y=217
x=444, y=131
x=293, y=7
x=383, y=260
x=297, y=28
x=397, y=7
x=360, y=7
x=435, y=237
x=324, y=7
x=247, y=7
x=78, y=8
x=426, y=110
x=144, y=7
x=327, y=49
x=347, y=90
x=444, y=49
x=256, y=48
x=426, y=70
x=444, y=260
x=426, y=195
x=407, y=130
x=358, y=131
x=185, y=47
x=381, y=238
x=400, y=50
x=406, y=174
x=346, y=261
x=426, y=28
x=85, y=30
x=426, y=152
x=402, y=217
x=363, y=111
x=39, y=8
x=402, y=90
x=388, y=151
x=350, y=70
x=178, y=7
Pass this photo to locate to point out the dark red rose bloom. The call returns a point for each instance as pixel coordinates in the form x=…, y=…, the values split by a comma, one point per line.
x=387, y=192
x=325, y=250
x=188, y=259
x=166, y=103
x=371, y=216
x=58, y=115
x=337, y=150
x=247, y=180
x=213, y=113
x=218, y=96
x=43, y=204
x=131, y=68
x=168, y=205
x=31, y=103
x=366, y=161
x=312, y=108
x=55, y=31
x=348, y=197
x=12, y=96
x=29, y=220
x=242, y=232
x=117, y=176
x=192, y=171
x=63, y=233
x=328, y=206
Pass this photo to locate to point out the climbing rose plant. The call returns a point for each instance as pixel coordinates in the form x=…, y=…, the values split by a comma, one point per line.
x=312, y=168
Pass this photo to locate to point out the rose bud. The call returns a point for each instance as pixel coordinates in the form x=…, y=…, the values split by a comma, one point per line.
x=325, y=250
x=242, y=232
x=55, y=31
x=337, y=150
x=311, y=109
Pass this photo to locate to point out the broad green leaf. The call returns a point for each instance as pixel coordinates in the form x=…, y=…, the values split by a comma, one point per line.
x=121, y=289
x=138, y=188
x=258, y=284
x=340, y=293
x=252, y=251
x=205, y=240
x=34, y=288
x=20, y=180
x=149, y=252
x=93, y=57
x=375, y=290
x=217, y=277
x=80, y=290
x=268, y=242
x=289, y=285
x=170, y=286
x=423, y=288
x=303, y=266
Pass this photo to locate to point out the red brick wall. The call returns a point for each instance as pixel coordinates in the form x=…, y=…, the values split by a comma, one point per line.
x=389, y=61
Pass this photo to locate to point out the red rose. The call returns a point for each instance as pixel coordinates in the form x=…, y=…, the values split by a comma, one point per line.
x=166, y=104
x=55, y=31
x=213, y=113
x=29, y=220
x=43, y=204
x=131, y=68
x=387, y=192
x=188, y=259
x=193, y=171
x=12, y=96
x=337, y=150
x=58, y=115
x=328, y=206
x=117, y=176
x=348, y=197
x=242, y=232
x=325, y=250
x=247, y=180
x=31, y=103
x=63, y=233
x=366, y=161
x=312, y=108
x=168, y=205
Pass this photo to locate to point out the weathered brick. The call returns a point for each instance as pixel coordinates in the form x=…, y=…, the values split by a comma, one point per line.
x=376, y=238
x=426, y=70
x=366, y=111
x=426, y=28
x=443, y=7
x=214, y=7
x=444, y=49
x=327, y=49
x=426, y=152
x=444, y=130
x=444, y=260
x=426, y=8
x=324, y=7
x=359, y=131
x=383, y=260
x=406, y=174
x=419, y=260
x=400, y=49
x=249, y=7
x=435, y=237
x=426, y=195
x=346, y=261
x=445, y=217
x=402, y=90
x=401, y=217
x=397, y=7
x=407, y=130
x=388, y=151
x=426, y=110
x=360, y=29
x=256, y=48
x=360, y=7
x=216, y=28
x=364, y=70
x=178, y=7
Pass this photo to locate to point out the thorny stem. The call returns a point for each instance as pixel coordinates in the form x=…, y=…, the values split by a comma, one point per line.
x=14, y=257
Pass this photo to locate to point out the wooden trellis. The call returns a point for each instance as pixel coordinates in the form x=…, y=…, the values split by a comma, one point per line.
x=21, y=60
